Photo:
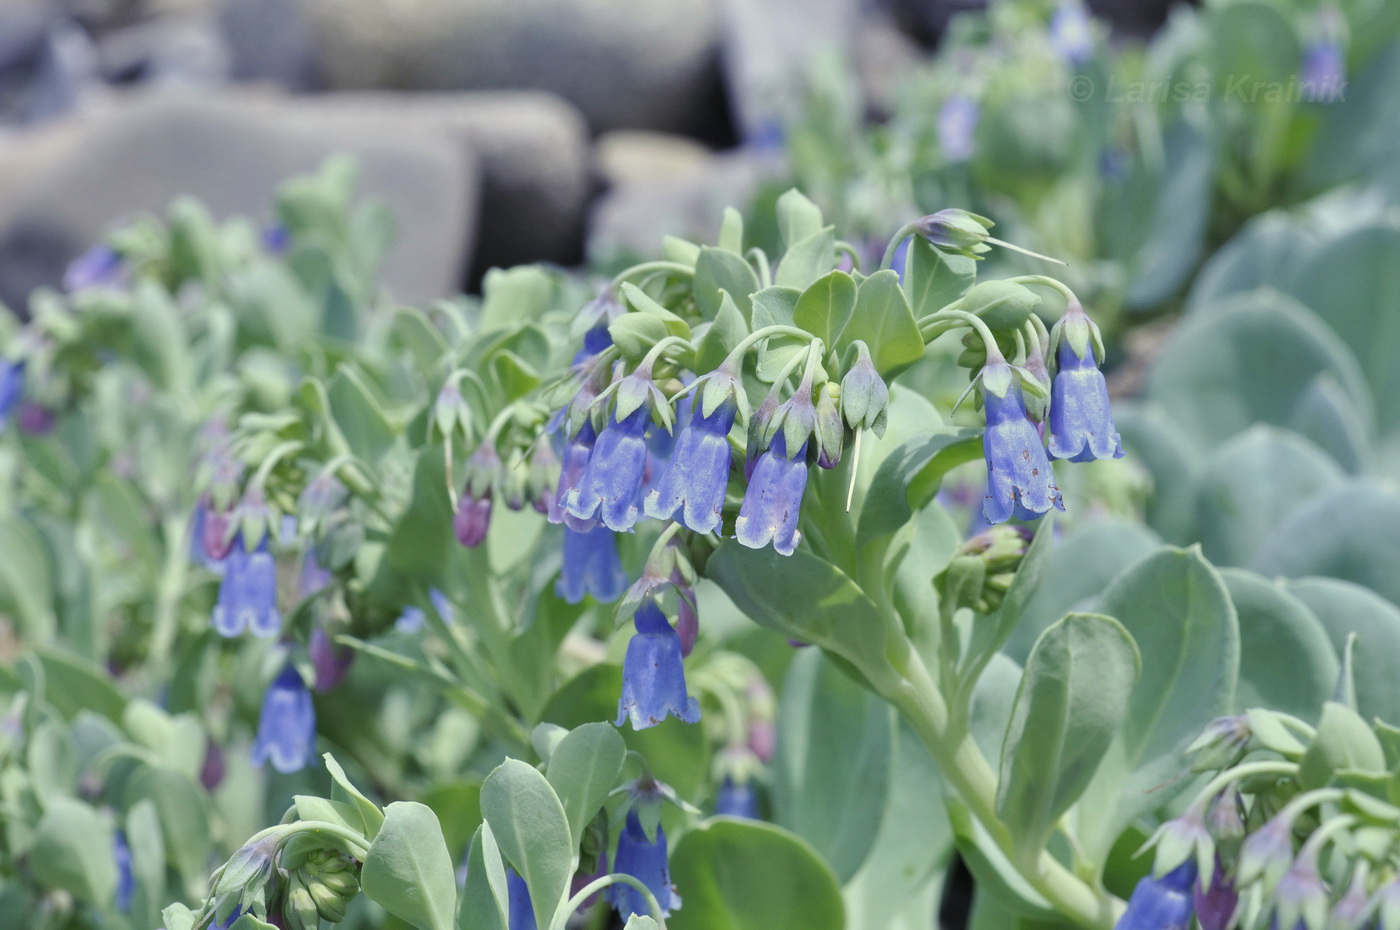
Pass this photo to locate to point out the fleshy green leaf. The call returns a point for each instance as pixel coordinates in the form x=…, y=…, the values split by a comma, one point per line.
x=533, y=832
x=408, y=870
x=583, y=768
x=745, y=875
x=722, y=270
x=825, y=307
x=485, y=899
x=1287, y=662
x=882, y=319
x=1073, y=697
x=73, y=852
x=934, y=279
x=832, y=772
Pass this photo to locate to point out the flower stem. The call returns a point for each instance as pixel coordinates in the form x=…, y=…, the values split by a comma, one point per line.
x=561, y=916
x=905, y=231
x=646, y=268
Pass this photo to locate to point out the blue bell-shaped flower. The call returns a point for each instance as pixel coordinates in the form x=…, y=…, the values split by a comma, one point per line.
x=773, y=501
x=1161, y=903
x=695, y=482
x=287, y=725
x=653, y=674
x=1020, y=482
x=644, y=860
x=591, y=566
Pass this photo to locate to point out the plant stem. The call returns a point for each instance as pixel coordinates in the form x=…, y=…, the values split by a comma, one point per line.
x=561, y=916
x=967, y=771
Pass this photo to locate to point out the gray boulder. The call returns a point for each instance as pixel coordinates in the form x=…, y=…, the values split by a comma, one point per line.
x=533, y=151
x=62, y=187
x=624, y=63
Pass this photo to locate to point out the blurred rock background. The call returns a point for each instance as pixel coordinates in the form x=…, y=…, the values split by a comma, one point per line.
x=497, y=132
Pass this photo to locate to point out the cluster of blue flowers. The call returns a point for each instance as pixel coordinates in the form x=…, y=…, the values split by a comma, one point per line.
x=1020, y=480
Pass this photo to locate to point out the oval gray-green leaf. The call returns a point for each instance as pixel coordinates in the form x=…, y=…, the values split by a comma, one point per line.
x=1287, y=661
x=408, y=870
x=832, y=772
x=583, y=768
x=1073, y=696
x=746, y=875
x=532, y=829
x=1345, y=608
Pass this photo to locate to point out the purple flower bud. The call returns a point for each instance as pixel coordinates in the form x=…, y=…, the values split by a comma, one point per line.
x=1301, y=895
x=653, y=675
x=1020, y=482
x=287, y=726
x=612, y=482
x=1353, y=909
x=1267, y=852
x=773, y=501
x=472, y=520
x=687, y=618
x=1161, y=903
x=314, y=578
x=1215, y=907
x=248, y=593
x=957, y=126
x=332, y=662
x=126, y=879
x=11, y=389
x=699, y=473
x=99, y=266
x=211, y=771
x=644, y=860
x=591, y=566
x=522, y=911
x=35, y=419
x=737, y=799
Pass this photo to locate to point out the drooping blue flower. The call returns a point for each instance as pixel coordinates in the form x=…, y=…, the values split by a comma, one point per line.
x=522, y=912
x=1161, y=903
x=276, y=239
x=126, y=880
x=645, y=861
x=773, y=500
x=653, y=673
x=577, y=452
x=287, y=725
x=1081, y=422
x=99, y=266
x=248, y=593
x=1324, y=71
x=591, y=566
x=957, y=126
x=1070, y=33
x=736, y=799
x=11, y=390
x=612, y=481
x=699, y=472
x=1020, y=482
x=411, y=620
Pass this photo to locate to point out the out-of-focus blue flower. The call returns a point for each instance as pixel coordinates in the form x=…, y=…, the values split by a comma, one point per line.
x=737, y=799
x=522, y=912
x=35, y=419
x=645, y=861
x=1161, y=903
x=591, y=566
x=1070, y=33
x=653, y=674
x=900, y=260
x=287, y=726
x=11, y=390
x=211, y=770
x=1081, y=422
x=99, y=266
x=773, y=500
x=699, y=472
x=411, y=620
x=276, y=239
x=1020, y=482
x=332, y=662
x=612, y=481
x=442, y=605
x=957, y=127
x=248, y=592
x=313, y=578
x=1324, y=71
x=126, y=880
